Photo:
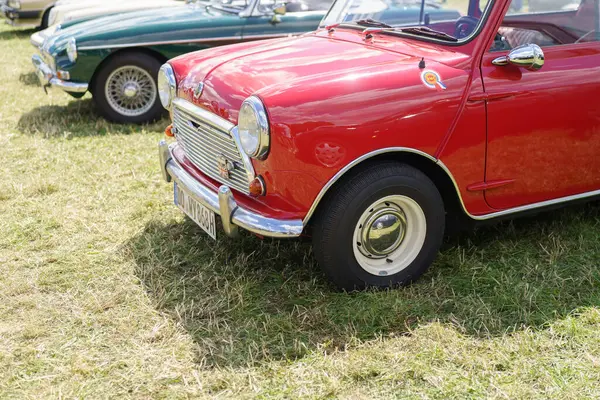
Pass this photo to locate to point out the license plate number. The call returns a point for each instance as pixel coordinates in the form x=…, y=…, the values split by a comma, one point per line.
x=201, y=215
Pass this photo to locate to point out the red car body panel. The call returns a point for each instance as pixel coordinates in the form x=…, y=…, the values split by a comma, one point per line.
x=333, y=98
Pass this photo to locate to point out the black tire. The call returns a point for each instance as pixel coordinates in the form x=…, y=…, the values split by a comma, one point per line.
x=45, y=19
x=336, y=222
x=139, y=62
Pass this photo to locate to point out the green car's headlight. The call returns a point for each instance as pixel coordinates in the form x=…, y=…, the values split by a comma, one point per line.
x=16, y=4
x=72, y=50
x=253, y=128
x=167, y=86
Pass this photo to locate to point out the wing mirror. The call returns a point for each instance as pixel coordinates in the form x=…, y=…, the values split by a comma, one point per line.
x=529, y=56
x=280, y=9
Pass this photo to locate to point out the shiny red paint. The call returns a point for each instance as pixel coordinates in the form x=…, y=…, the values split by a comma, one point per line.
x=333, y=97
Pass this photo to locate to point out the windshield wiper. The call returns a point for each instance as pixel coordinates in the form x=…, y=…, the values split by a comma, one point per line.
x=372, y=23
x=425, y=31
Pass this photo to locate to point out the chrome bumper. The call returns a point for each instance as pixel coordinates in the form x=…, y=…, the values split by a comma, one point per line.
x=49, y=79
x=18, y=18
x=223, y=203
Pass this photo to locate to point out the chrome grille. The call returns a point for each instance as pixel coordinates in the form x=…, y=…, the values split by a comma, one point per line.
x=204, y=143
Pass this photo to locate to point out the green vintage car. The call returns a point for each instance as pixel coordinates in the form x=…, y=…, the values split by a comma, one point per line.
x=117, y=58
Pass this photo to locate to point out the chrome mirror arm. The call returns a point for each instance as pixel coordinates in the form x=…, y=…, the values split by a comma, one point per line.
x=501, y=61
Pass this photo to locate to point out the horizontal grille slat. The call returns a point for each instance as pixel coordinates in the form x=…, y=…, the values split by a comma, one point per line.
x=203, y=144
x=230, y=153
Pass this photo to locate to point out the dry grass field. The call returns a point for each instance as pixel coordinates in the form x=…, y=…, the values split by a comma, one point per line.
x=106, y=291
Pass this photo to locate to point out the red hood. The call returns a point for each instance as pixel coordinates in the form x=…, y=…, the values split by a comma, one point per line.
x=233, y=73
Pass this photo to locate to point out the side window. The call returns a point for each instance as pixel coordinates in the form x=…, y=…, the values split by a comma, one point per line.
x=296, y=5
x=549, y=23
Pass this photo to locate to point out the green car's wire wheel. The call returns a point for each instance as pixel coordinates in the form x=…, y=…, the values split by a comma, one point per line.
x=125, y=88
x=130, y=91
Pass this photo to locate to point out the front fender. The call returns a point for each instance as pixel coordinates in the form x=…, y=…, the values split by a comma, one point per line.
x=321, y=126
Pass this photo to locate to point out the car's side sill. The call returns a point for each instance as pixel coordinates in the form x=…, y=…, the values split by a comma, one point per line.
x=537, y=206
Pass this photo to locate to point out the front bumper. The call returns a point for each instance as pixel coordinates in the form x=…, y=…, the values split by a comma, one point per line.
x=48, y=78
x=223, y=203
x=19, y=18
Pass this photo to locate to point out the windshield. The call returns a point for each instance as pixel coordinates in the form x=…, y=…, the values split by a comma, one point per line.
x=446, y=20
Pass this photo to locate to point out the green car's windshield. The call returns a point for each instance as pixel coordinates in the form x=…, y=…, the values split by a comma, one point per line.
x=445, y=20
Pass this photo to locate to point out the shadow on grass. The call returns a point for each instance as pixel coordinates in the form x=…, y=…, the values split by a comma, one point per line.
x=247, y=300
x=78, y=118
x=15, y=33
x=29, y=79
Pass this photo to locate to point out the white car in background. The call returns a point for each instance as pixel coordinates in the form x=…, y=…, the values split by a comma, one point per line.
x=68, y=10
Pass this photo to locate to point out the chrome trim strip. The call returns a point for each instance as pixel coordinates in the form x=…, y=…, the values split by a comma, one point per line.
x=251, y=173
x=486, y=217
x=49, y=79
x=224, y=204
x=120, y=46
x=516, y=210
x=213, y=119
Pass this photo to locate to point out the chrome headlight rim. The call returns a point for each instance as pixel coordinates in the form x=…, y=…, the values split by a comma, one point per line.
x=261, y=134
x=72, y=50
x=167, y=86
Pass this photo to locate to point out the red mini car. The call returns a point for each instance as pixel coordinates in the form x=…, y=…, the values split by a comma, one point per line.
x=393, y=119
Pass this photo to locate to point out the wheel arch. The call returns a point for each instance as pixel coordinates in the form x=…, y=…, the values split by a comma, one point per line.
x=456, y=213
x=152, y=53
x=46, y=13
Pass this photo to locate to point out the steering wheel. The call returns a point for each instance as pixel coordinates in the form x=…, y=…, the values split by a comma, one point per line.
x=465, y=26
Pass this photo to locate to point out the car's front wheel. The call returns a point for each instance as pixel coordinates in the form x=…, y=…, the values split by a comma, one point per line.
x=125, y=89
x=381, y=227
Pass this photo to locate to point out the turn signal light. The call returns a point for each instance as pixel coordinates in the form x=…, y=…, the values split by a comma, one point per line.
x=63, y=75
x=257, y=187
x=170, y=131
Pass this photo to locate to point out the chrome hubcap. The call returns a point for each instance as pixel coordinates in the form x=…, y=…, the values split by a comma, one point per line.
x=130, y=91
x=383, y=232
x=389, y=235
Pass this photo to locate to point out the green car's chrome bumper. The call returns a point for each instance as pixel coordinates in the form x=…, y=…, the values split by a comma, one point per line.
x=48, y=78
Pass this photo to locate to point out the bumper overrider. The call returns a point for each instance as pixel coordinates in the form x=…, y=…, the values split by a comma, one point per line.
x=48, y=77
x=223, y=203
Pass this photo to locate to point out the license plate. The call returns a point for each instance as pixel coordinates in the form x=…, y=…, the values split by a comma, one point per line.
x=201, y=215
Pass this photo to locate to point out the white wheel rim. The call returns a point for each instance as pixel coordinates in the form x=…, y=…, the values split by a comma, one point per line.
x=130, y=91
x=389, y=235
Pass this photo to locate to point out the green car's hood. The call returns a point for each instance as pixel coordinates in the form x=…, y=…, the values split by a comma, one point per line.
x=191, y=22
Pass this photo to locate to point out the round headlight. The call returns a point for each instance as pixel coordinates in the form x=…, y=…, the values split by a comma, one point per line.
x=167, y=85
x=253, y=128
x=72, y=50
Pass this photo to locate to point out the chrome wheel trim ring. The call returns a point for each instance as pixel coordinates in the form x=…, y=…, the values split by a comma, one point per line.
x=389, y=235
x=130, y=91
